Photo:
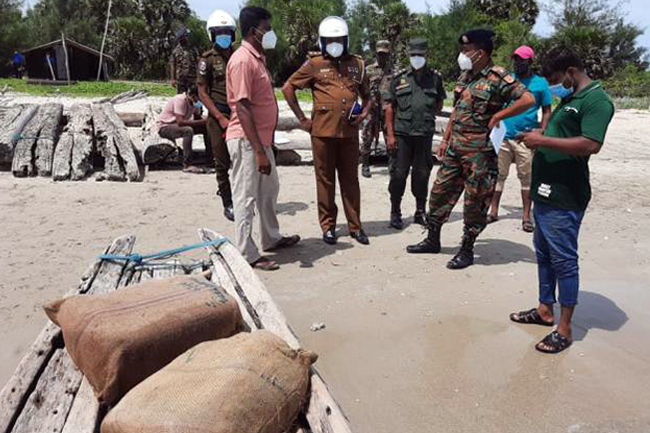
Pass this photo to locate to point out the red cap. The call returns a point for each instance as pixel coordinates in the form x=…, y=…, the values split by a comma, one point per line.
x=525, y=52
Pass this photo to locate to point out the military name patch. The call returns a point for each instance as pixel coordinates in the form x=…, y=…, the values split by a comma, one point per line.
x=353, y=70
x=402, y=86
x=322, y=71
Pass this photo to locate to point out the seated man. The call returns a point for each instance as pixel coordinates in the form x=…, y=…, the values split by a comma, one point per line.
x=177, y=121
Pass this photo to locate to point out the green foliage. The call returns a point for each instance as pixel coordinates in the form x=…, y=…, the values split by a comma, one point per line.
x=12, y=32
x=522, y=11
x=374, y=20
x=443, y=30
x=88, y=88
x=597, y=31
x=629, y=82
x=509, y=36
x=296, y=24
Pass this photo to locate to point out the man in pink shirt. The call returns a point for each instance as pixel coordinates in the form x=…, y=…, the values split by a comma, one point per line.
x=177, y=121
x=251, y=98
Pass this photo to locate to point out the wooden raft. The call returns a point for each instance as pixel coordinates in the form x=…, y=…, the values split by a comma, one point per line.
x=47, y=393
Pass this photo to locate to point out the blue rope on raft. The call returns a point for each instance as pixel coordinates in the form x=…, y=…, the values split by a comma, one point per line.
x=139, y=258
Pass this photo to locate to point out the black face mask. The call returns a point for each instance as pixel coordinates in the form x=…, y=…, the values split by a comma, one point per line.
x=522, y=68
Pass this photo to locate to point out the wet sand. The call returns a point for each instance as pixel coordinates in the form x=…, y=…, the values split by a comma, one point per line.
x=409, y=345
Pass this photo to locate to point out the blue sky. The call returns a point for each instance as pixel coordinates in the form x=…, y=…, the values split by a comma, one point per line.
x=637, y=12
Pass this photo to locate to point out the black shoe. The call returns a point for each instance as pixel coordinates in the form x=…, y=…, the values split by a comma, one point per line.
x=329, y=237
x=465, y=256
x=430, y=245
x=229, y=213
x=420, y=217
x=396, y=221
x=365, y=171
x=360, y=237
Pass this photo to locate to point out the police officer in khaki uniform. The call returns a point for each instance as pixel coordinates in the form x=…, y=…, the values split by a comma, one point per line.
x=414, y=98
x=485, y=94
x=337, y=79
x=183, y=62
x=380, y=74
x=211, y=81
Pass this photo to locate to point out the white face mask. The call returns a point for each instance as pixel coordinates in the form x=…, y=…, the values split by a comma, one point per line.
x=418, y=62
x=269, y=40
x=464, y=62
x=334, y=49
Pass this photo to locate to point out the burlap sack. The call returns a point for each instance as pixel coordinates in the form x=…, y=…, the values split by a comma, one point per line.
x=249, y=383
x=118, y=340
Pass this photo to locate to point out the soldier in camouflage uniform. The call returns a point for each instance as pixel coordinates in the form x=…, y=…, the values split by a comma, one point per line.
x=414, y=98
x=469, y=162
x=379, y=75
x=182, y=64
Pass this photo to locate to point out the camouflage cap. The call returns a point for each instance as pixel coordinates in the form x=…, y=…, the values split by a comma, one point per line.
x=382, y=46
x=418, y=46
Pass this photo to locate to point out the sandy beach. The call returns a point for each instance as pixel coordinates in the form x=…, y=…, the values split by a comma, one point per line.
x=409, y=346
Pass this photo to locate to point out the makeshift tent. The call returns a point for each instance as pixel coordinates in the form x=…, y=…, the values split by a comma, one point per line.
x=83, y=62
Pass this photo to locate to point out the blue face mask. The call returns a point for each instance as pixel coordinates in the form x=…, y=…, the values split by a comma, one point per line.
x=223, y=41
x=560, y=91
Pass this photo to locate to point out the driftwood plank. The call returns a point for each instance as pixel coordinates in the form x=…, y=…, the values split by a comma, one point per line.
x=323, y=413
x=49, y=404
x=104, y=135
x=167, y=270
x=7, y=119
x=81, y=127
x=84, y=412
x=26, y=376
x=47, y=139
x=123, y=143
x=22, y=164
x=62, y=157
x=131, y=120
x=10, y=131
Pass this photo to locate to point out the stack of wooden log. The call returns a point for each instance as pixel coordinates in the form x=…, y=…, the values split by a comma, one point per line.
x=42, y=140
x=12, y=122
x=73, y=155
x=115, y=145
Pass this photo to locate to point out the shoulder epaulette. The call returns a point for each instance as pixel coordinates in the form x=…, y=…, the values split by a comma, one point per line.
x=312, y=54
x=207, y=53
x=503, y=74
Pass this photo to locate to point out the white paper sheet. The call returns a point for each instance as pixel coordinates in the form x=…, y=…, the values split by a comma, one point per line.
x=497, y=135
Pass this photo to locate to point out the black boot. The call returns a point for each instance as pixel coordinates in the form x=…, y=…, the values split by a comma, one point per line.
x=420, y=216
x=465, y=256
x=431, y=245
x=365, y=167
x=228, y=210
x=396, y=215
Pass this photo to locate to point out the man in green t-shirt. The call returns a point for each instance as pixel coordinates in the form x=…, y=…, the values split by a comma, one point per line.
x=560, y=189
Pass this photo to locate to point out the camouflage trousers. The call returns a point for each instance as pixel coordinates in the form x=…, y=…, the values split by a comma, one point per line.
x=369, y=132
x=474, y=172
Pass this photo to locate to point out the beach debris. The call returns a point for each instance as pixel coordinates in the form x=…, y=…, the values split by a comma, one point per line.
x=317, y=326
x=34, y=149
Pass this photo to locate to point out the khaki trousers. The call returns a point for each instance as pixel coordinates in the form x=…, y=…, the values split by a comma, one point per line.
x=517, y=152
x=340, y=155
x=252, y=190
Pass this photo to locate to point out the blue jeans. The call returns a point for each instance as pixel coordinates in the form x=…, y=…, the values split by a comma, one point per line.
x=556, y=247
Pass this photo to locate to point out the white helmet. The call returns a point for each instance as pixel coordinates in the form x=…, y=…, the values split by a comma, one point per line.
x=333, y=27
x=220, y=19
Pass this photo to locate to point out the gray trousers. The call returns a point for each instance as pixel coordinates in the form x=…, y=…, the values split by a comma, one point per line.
x=252, y=190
